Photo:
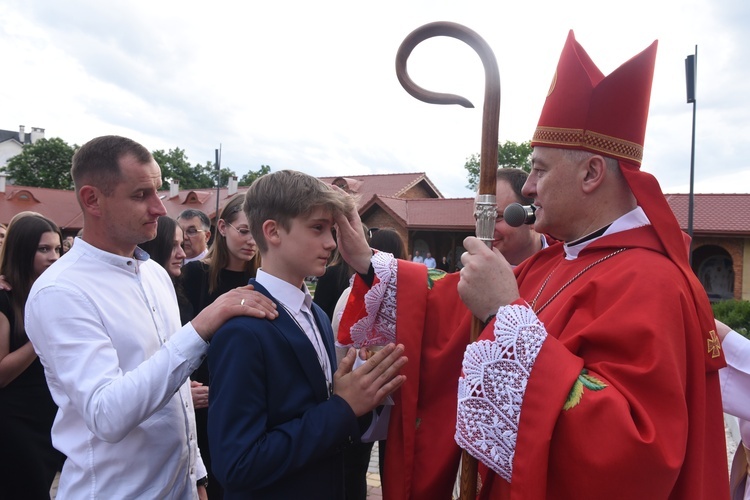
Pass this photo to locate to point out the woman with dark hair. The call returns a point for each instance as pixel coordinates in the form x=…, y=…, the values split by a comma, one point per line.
x=28, y=462
x=230, y=263
x=167, y=250
x=388, y=240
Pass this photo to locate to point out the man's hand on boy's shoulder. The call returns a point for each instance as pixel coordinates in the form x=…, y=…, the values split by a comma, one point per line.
x=242, y=301
x=350, y=237
x=367, y=386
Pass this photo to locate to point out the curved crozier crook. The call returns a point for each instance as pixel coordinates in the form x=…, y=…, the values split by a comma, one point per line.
x=491, y=111
x=488, y=158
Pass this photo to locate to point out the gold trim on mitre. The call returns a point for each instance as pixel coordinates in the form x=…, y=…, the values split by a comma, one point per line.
x=604, y=144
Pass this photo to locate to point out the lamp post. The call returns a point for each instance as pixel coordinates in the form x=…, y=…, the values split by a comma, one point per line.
x=691, y=70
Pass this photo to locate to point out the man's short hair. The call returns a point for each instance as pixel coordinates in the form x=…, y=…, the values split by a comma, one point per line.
x=191, y=213
x=287, y=194
x=96, y=163
x=516, y=178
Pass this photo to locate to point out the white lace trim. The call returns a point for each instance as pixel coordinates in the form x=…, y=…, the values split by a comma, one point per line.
x=378, y=327
x=492, y=387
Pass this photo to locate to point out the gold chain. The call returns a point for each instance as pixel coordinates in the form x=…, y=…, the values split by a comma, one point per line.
x=571, y=280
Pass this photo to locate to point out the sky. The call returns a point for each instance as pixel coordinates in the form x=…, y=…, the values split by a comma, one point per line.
x=311, y=86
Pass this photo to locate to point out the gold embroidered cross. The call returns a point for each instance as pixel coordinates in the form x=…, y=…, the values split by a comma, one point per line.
x=714, y=345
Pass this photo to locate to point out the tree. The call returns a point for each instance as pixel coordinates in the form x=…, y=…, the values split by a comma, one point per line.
x=250, y=177
x=175, y=165
x=45, y=163
x=509, y=155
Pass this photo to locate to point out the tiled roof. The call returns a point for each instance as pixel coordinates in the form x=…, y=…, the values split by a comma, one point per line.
x=6, y=135
x=56, y=204
x=367, y=186
x=446, y=214
x=201, y=199
x=713, y=213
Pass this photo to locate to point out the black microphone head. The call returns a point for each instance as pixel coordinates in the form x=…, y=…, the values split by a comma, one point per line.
x=516, y=215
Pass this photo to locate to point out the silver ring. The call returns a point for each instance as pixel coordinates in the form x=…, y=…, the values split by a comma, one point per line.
x=242, y=302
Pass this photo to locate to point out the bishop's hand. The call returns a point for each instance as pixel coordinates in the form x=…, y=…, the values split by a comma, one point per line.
x=487, y=281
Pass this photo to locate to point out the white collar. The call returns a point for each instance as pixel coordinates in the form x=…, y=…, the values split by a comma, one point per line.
x=631, y=220
x=290, y=296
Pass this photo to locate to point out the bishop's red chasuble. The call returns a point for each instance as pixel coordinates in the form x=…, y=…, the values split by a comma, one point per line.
x=623, y=400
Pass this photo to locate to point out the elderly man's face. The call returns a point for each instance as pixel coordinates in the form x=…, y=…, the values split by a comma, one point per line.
x=554, y=185
x=196, y=237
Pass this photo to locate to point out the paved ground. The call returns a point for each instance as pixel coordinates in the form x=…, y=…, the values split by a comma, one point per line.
x=373, y=476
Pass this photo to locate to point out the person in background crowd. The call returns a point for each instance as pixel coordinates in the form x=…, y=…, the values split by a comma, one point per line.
x=231, y=262
x=417, y=257
x=105, y=324
x=28, y=461
x=196, y=227
x=444, y=265
x=429, y=261
x=67, y=243
x=332, y=284
x=3, y=230
x=515, y=243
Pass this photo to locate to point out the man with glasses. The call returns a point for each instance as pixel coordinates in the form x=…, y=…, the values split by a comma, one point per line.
x=196, y=227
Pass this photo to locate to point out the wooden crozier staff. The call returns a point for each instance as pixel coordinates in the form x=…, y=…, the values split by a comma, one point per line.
x=485, y=210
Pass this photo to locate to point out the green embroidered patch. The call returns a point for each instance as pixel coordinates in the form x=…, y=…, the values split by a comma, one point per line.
x=576, y=393
x=434, y=275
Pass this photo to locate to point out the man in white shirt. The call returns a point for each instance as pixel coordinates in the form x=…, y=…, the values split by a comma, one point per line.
x=105, y=324
x=196, y=230
x=429, y=261
x=417, y=258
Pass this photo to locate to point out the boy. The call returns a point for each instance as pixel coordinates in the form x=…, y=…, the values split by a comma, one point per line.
x=279, y=417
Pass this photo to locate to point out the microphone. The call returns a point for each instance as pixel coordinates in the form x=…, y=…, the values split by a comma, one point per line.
x=516, y=215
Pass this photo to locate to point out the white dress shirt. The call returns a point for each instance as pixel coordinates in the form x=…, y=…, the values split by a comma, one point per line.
x=298, y=303
x=107, y=330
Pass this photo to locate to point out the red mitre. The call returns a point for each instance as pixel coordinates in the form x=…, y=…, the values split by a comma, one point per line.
x=607, y=115
x=585, y=110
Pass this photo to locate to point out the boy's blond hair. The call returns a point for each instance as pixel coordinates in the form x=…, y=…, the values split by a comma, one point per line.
x=288, y=194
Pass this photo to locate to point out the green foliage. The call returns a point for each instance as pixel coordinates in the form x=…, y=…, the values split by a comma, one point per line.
x=250, y=177
x=46, y=163
x=509, y=155
x=175, y=165
x=735, y=313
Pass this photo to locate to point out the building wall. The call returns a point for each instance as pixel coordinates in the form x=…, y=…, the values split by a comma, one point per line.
x=8, y=149
x=417, y=191
x=379, y=218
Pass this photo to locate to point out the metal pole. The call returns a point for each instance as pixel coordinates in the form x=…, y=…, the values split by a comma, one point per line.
x=691, y=70
x=218, y=182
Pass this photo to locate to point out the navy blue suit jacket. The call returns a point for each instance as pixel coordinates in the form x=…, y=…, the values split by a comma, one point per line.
x=273, y=430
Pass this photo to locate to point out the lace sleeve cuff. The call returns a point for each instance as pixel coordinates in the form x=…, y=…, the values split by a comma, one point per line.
x=378, y=326
x=492, y=387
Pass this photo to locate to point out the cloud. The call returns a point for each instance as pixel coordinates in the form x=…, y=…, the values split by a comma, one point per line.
x=312, y=85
